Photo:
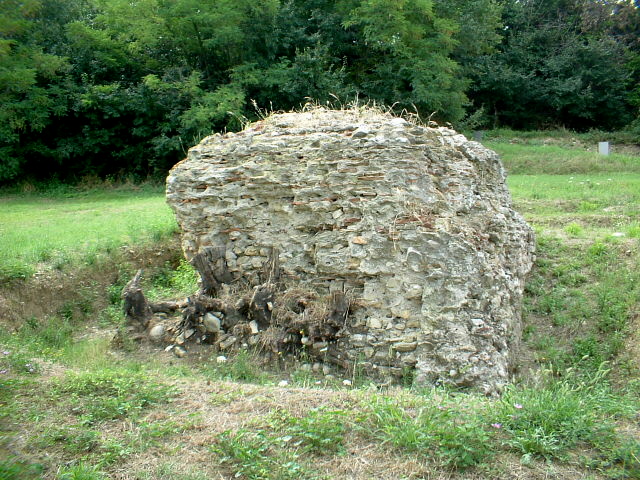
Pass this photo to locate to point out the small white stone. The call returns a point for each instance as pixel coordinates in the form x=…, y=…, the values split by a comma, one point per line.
x=398, y=122
x=617, y=234
x=346, y=383
x=253, y=325
x=221, y=359
x=283, y=383
x=169, y=348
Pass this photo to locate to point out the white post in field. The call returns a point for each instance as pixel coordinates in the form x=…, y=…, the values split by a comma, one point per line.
x=603, y=148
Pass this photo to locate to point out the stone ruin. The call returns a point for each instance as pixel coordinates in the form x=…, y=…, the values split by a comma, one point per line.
x=363, y=239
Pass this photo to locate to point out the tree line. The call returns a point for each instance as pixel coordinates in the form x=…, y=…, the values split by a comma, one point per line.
x=124, y=87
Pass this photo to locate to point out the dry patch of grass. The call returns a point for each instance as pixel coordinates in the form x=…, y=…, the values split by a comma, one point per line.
x=132, y=421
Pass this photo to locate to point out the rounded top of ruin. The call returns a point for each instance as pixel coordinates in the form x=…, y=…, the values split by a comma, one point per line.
x=356, y=122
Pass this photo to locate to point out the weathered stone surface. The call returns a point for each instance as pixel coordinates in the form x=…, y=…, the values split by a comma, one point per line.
x=414, y=224
x=211, y=323
x=156, y=334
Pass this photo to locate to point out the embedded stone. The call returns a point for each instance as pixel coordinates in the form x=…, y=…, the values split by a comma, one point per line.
x=228, y=342
x=211, y=323
x=405, y=347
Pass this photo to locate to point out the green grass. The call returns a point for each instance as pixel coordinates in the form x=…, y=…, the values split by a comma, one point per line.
x=80, y=472
x=321, y=431
x=109, y=394
x=241, y=367
x=587, y=293
x=457, y=437
x=169, y=282
x=170, y=471
x=557, y=160
x=11, y=469
x=560, y=136
x=581, y=205
x=40, y=230
x=255, y=456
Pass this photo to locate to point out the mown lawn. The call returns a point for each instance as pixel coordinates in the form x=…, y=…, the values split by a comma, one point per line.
x=599, y=205
x=531, y=159
x=41, y=232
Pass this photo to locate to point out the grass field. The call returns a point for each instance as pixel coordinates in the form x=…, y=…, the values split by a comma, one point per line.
x=72, y=406
x=41, y=231
x=557, y=160
x=596, y=205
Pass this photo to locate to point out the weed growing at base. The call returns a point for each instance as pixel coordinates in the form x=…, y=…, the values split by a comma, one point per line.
x=321, y=431
x=241, y=367
x=253, y=455
x=434, y=429
x=169, y=282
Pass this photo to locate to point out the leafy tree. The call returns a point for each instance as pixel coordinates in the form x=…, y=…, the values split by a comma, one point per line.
x=479, y=26
x=124, y=87
x=549, y=71
x=404, y=56
x=30, y=95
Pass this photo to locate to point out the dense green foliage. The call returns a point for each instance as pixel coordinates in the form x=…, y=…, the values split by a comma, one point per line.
x=563, y=62
x=119, y=88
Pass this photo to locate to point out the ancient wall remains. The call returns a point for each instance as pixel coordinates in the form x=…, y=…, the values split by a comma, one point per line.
x=413, y=224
